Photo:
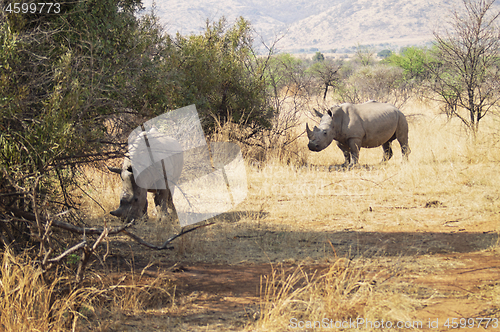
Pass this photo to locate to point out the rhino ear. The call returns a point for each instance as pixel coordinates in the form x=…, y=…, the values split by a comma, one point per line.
x=317, y=113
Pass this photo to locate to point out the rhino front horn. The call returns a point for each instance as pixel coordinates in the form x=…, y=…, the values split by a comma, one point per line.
x=115, y=169
x=309, y=132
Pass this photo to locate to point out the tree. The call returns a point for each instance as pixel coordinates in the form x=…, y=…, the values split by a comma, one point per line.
x=384, y=54
x=63, y=80
x=414, y=62
x=219, y=73
x=62, y=75
x=467, y=75
x=318, y=57
x=327, y=73
x=287, y=92
x=364, y=55
x=379, y=82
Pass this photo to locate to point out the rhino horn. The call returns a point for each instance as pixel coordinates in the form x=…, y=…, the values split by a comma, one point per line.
x=309, y=132
x=118, y=212
x=318, y=113
x=116, y=170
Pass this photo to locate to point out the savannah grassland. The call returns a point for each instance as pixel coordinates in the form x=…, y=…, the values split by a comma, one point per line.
x=399, y=242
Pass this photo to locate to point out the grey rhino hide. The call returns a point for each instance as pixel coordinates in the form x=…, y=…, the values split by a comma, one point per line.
x=133, y=198
x=367, y=125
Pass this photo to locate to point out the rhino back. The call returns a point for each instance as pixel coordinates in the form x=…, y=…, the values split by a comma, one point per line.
x=375, y=123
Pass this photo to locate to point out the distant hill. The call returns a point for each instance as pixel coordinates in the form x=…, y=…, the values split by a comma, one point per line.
x=324, y=25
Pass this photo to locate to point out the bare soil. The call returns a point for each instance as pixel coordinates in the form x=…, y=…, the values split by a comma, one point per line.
x=451, y=267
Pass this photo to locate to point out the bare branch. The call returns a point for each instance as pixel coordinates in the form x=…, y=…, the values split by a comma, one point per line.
x=164, y=246
x=68, y=252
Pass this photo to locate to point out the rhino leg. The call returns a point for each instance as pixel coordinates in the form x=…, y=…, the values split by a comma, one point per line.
x=387, y=151
x=347, y=153
x=354, y=145
x=163, y=201
x=405, y=148
x=402, y=136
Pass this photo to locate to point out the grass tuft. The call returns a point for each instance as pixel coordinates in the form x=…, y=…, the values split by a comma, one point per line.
x=348, y=291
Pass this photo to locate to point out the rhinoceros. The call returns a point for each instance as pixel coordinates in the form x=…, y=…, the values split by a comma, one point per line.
x=133, y=198
x=367, y=125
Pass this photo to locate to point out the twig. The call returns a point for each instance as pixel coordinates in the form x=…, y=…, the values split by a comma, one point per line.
x=144, y=243
x=68, y=252
x=184, y=232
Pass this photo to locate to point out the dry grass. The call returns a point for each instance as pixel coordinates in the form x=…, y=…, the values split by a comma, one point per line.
x=449, y=179
x=449, y=184
x=30, y=303
x=347, y=291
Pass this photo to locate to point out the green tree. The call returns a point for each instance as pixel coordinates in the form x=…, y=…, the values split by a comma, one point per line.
x=63, y=79
x=220, y=74
x=318, y=57
x=384, y=54
x=413, y=60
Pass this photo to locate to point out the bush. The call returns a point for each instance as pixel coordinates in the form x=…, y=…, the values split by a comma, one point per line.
x=379, y=82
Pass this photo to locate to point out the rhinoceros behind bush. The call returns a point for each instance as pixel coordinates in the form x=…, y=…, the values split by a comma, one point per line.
x=367, y=125
x=150, y=176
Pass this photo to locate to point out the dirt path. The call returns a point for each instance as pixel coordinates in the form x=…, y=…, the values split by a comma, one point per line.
x=216, y=296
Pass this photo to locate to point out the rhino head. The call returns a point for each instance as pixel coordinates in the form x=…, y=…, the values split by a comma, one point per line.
x=133, y=199
x=320, y=137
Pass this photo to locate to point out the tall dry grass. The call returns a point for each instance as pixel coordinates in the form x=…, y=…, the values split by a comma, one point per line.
x=28, y=302
x=333, y=300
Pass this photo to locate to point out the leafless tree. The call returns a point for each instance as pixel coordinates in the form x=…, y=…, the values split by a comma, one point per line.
x=468, y=70
x=365, y=55
x=327, y=73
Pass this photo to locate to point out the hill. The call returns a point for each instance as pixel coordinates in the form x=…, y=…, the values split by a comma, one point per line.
x=323, y=25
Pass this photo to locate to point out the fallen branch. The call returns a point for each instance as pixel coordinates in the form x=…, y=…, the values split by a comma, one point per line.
x=170, y=239
x=72, y=228
x=110, y=230
x=67, y=252
x=45, y=223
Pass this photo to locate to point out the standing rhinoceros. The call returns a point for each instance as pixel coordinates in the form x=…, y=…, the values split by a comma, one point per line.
x=150, y=176
x=367, y=125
